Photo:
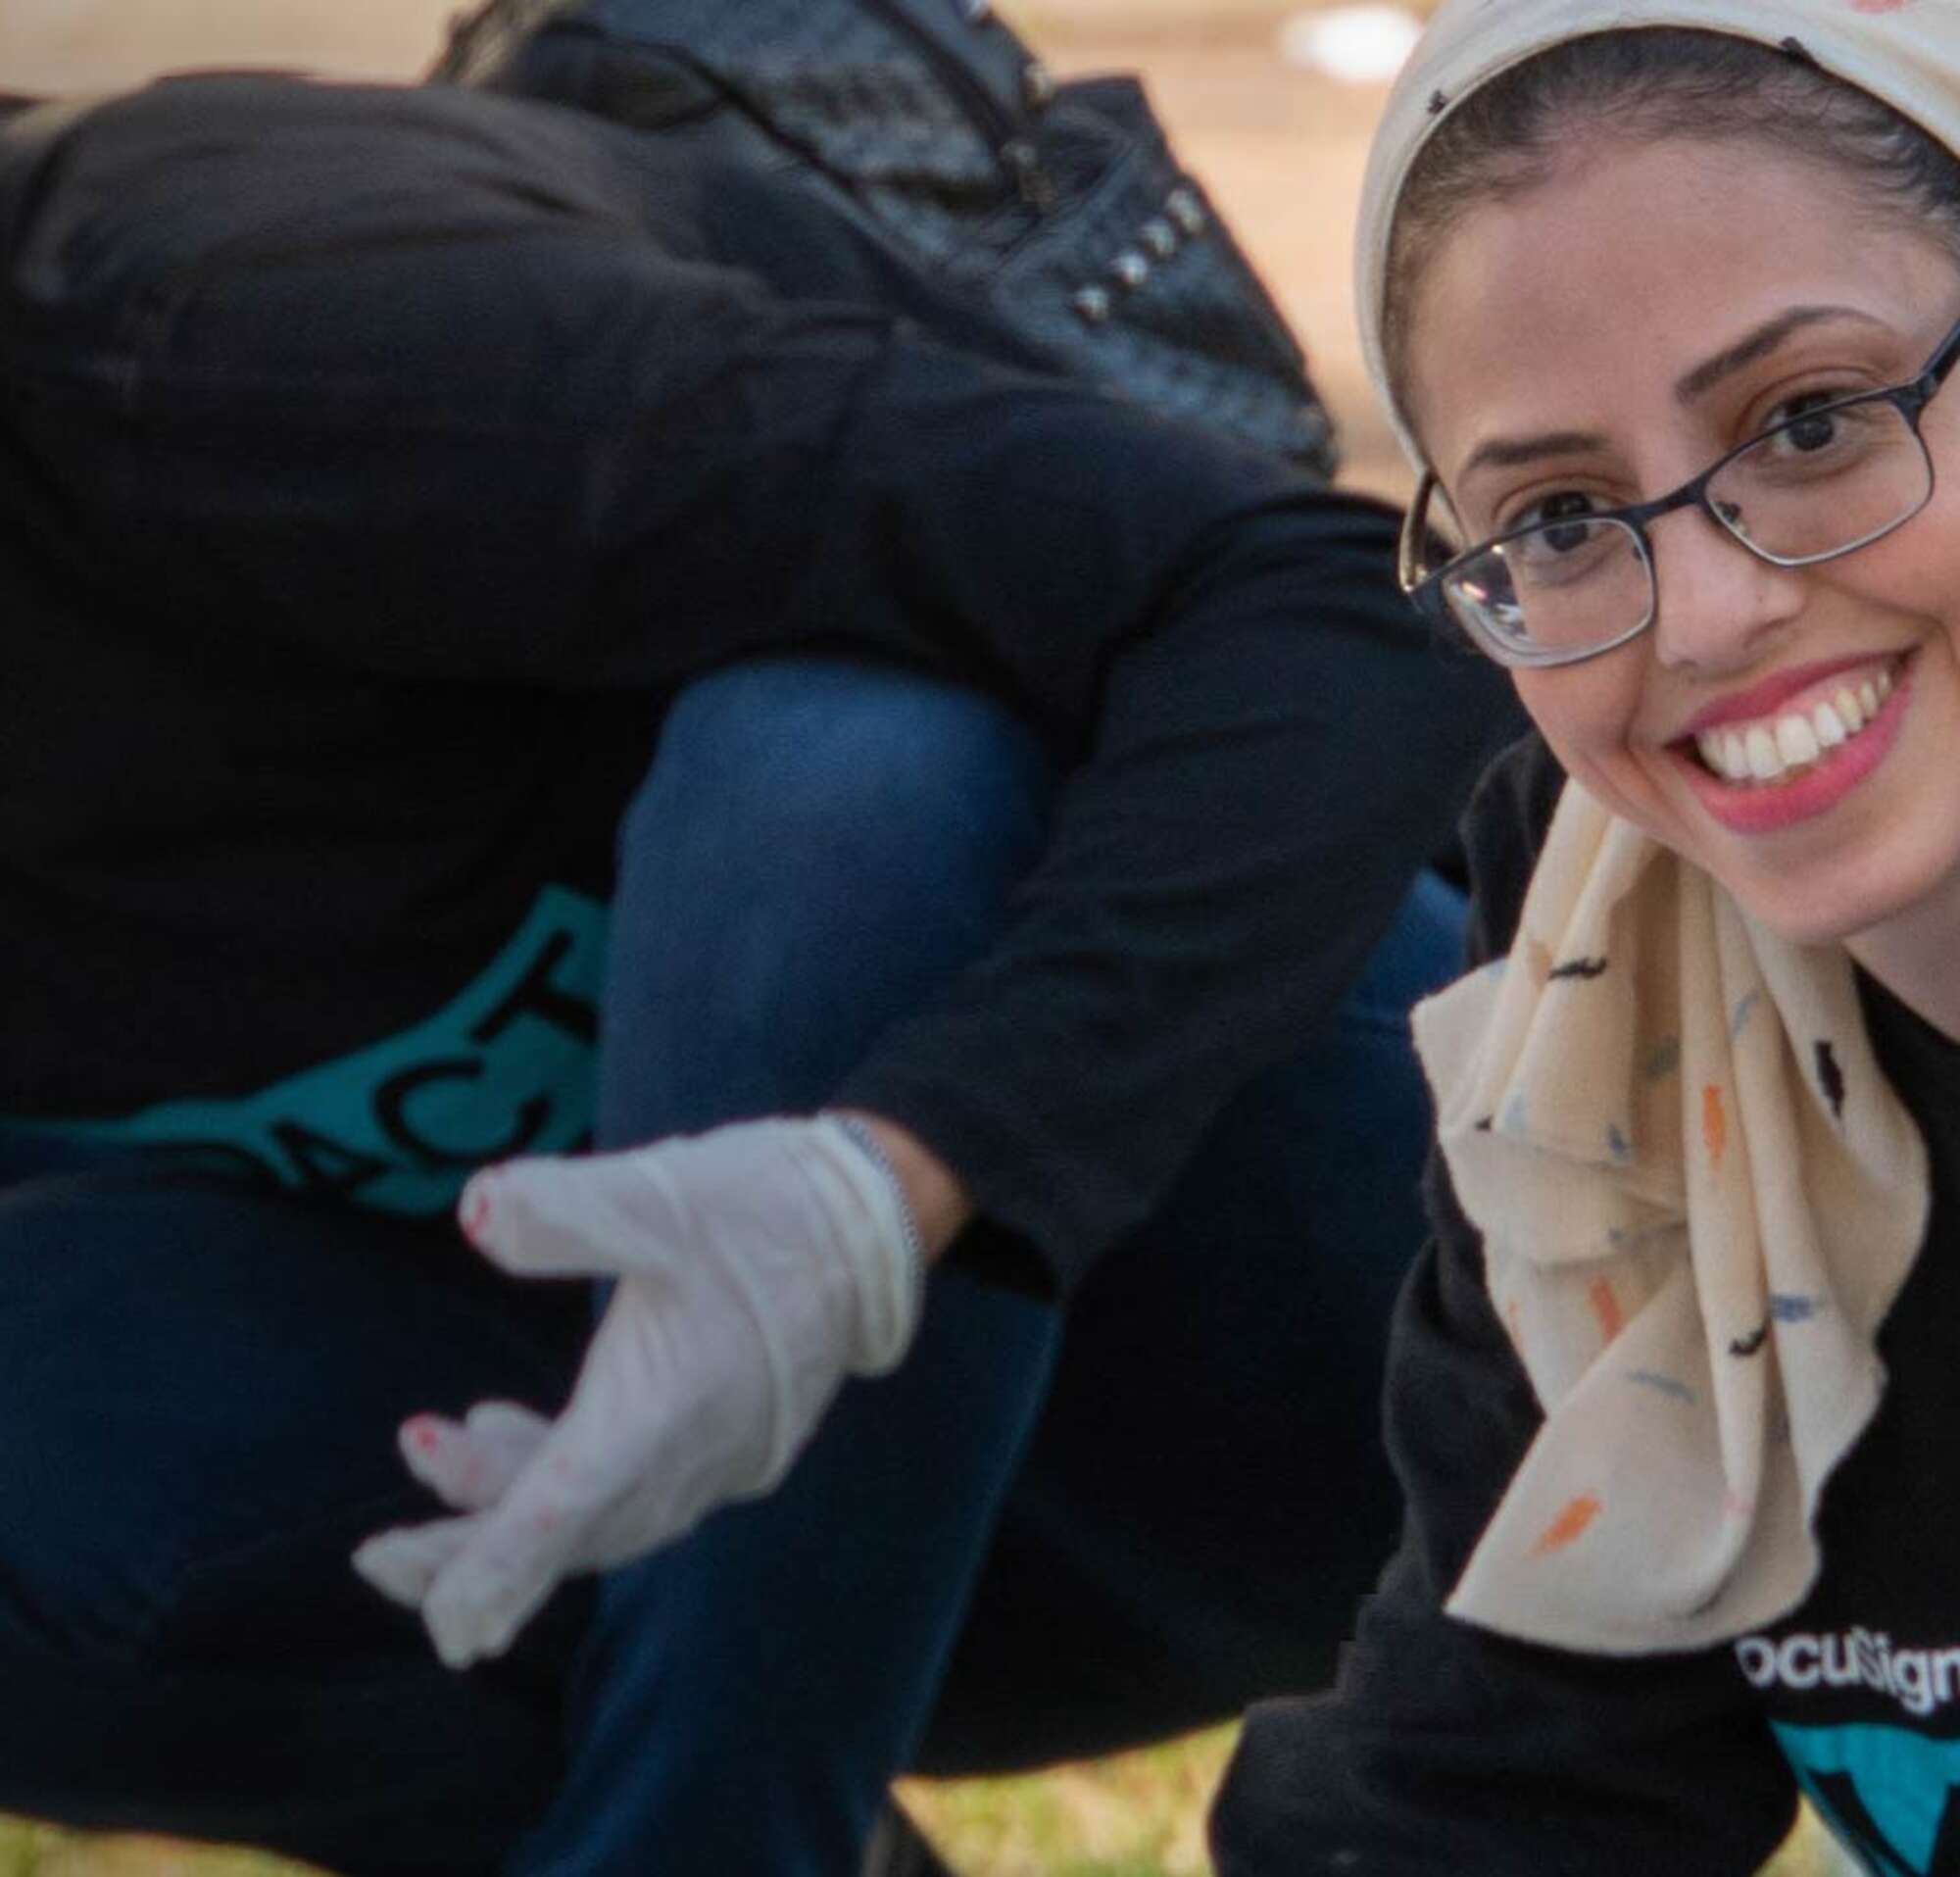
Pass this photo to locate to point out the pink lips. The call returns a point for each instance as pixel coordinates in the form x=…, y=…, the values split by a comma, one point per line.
x=1746, y=808
x=1766, y=698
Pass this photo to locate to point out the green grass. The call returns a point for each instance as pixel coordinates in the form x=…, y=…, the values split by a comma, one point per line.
x=40, y=1851
x=1140, y=1815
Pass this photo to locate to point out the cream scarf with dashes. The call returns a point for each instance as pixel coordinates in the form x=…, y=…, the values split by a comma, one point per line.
x=1699, y=1196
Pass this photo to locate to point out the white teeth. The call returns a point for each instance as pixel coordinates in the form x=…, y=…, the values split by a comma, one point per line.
x=1765, y=764
x=1767, y=752
x=1797, y=742
x=1724, y=755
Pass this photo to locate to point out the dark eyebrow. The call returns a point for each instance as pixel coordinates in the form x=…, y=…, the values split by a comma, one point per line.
x=1758, y=344
x=1507, y=453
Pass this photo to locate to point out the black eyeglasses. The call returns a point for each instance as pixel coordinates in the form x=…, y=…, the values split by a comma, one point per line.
x=1571, y=585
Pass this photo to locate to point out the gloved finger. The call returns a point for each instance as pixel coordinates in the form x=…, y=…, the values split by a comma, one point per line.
x=515, y=1558
x=404, y=1562
x=471, y=1465
x=552, y=1217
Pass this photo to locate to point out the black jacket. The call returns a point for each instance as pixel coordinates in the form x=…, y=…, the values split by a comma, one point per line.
x=371, y=462
x=1445, y=1749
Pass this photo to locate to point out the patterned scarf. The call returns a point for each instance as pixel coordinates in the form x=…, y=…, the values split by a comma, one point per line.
x=1699, y=1196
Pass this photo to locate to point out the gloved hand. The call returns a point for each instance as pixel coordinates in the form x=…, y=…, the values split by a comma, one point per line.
x=758, y=1267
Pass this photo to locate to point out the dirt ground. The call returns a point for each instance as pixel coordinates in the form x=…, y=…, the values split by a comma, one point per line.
x=1280, y=148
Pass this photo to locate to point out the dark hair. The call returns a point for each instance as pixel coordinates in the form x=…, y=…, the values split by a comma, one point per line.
x=1649, y=84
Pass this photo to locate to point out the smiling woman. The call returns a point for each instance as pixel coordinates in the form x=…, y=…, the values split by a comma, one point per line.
x=1662, y=296
x=1584, y=369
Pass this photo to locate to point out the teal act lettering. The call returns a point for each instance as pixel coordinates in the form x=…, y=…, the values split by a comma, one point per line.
x=506, y=1067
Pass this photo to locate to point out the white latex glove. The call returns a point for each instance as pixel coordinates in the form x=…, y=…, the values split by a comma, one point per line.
x=758, y=1267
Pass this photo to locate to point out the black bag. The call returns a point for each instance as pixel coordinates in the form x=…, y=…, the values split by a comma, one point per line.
x=1058, y=209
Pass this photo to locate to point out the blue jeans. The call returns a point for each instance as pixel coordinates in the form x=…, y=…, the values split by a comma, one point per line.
x=1037, y=1538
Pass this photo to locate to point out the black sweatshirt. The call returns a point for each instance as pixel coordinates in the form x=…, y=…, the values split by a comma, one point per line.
x=1446, y=1749
x=372, y=460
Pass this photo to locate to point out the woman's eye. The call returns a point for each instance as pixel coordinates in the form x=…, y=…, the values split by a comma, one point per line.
x=1560, y=520
x=1805, y=423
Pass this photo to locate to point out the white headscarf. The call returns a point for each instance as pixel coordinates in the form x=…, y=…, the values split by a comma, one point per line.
x=1697, y=1194
x=1907, y=52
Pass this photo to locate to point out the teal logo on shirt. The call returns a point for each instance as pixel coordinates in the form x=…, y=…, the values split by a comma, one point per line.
x=506, y=1067
x=1886, y=1792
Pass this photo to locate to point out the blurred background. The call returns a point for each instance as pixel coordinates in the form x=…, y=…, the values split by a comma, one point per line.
x=1271, y=103
x=1247, y=88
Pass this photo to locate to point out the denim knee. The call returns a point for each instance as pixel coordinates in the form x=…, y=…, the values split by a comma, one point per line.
x=827, y=776
x=819, y=847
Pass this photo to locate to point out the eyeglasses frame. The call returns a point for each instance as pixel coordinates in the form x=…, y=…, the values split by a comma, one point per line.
x=1910, y=398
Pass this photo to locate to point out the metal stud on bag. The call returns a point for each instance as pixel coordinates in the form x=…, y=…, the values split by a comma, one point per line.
x=1037, y=188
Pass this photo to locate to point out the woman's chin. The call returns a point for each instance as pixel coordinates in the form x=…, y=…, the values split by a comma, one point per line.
x=1847, y=903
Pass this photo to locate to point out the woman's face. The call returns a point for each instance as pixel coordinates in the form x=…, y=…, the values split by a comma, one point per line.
x=1610, y=334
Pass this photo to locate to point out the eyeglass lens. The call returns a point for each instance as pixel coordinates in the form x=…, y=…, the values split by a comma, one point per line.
x=1819, y=485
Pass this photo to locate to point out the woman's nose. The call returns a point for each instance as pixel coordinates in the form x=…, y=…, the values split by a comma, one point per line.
x=1716, y=601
